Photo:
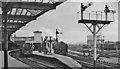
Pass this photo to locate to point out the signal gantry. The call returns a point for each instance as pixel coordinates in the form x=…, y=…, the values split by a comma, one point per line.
x=96, y=20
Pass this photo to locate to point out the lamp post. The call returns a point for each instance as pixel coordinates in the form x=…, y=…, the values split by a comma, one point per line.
x=5, y=48
x=50, y=43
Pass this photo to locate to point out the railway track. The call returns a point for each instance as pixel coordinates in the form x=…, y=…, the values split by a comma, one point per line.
x=28, y=61
x=50, y=61
x=88, y=61
x=38, y=62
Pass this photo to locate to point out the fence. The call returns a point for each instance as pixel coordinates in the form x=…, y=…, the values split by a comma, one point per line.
x=97, y=15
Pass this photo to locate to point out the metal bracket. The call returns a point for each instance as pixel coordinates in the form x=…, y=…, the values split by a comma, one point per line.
x=89, y=27
x=99, y=27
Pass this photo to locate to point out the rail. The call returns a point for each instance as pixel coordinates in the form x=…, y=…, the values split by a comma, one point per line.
x=37, y=62
x=87, y=61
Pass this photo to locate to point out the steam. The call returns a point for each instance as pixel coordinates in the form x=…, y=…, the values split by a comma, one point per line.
x=43, y=29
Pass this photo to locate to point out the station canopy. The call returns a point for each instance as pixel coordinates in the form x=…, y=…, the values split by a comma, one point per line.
x=21, y=12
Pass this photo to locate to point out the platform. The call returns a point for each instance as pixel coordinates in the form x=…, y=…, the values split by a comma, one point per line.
x=13, y=63
x=64, y=59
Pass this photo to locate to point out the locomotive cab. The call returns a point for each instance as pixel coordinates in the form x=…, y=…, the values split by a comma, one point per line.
x=60, y=48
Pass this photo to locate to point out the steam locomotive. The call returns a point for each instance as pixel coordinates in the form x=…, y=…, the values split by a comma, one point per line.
x=26, y=49
x=58, y=48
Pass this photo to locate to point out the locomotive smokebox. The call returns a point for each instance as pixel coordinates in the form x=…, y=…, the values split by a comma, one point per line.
x=38, y=36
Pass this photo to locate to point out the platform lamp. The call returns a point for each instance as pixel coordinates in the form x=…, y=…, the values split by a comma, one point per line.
x=50, y=42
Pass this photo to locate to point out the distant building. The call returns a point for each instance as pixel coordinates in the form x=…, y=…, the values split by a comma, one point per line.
x=15, y=38
x=90, y=40
x=117, y=45
x=21, y=40
x=107, y=45
x=111, y=45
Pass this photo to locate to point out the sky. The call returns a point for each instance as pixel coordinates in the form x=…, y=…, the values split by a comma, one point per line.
x=65, y=19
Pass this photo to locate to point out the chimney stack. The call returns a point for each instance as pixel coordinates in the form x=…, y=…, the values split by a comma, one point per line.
x=38, y=36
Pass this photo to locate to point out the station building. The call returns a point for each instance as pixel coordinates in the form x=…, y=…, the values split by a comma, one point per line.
x=21, y=40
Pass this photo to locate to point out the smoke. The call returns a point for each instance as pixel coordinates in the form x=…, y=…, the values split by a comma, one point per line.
x=48, y=31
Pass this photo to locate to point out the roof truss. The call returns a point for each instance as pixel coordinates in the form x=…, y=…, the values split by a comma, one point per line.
x=21, y=13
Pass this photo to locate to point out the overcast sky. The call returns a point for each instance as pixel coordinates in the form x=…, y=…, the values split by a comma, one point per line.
x=65, y=19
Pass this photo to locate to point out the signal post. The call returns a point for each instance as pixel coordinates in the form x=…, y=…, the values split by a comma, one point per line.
x=95, y=24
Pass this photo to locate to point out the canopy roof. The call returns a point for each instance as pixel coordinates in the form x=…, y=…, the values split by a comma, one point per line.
x=22, y=12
